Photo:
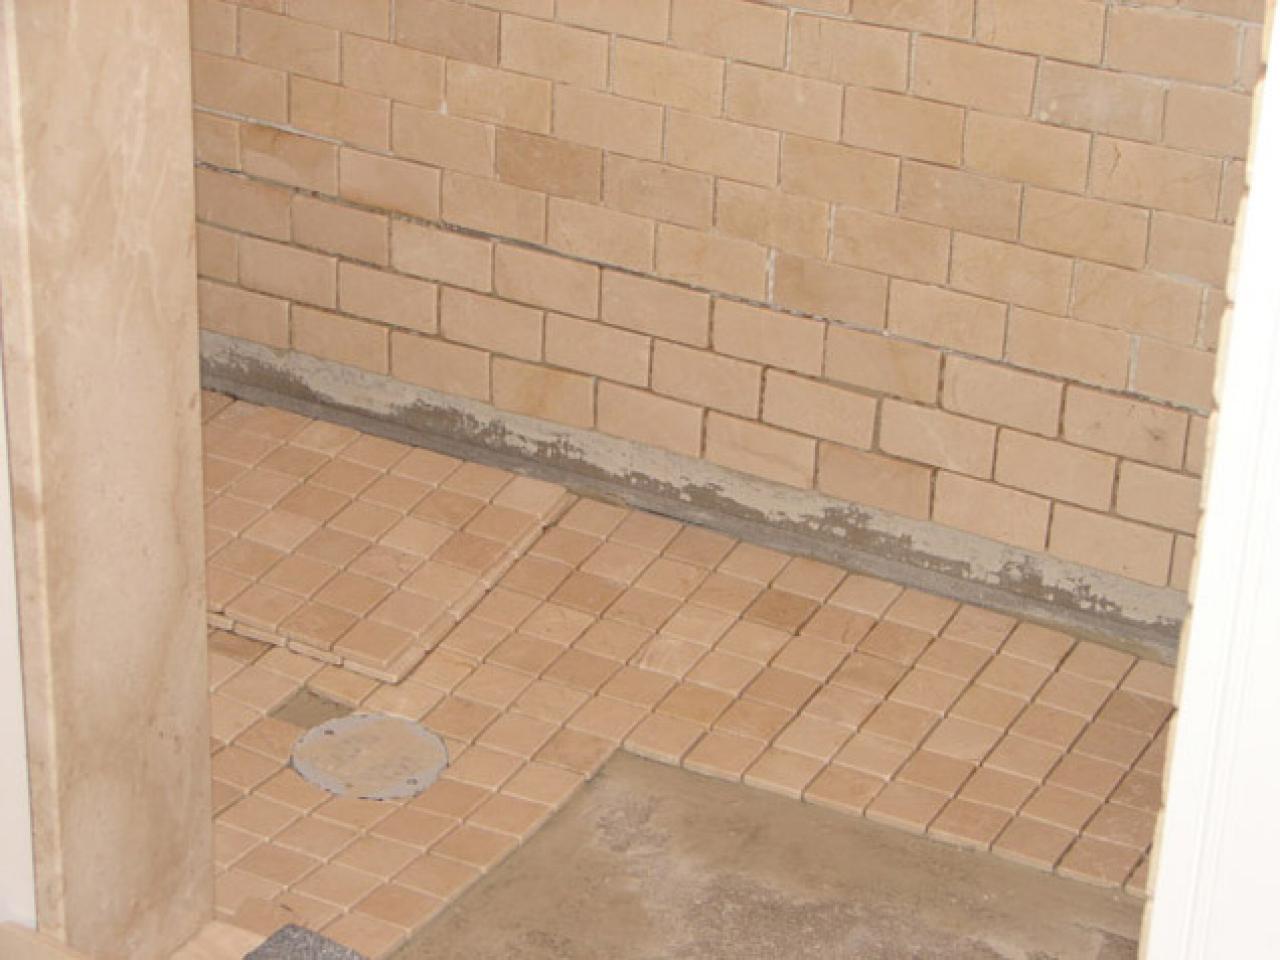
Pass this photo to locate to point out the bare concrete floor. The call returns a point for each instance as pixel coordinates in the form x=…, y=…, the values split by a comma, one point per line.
x=651, y=862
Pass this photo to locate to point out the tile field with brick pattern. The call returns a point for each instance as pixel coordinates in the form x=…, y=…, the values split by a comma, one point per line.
x=962, y=261
x=618, y=629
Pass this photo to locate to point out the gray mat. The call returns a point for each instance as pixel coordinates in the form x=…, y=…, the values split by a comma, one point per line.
x=296, y=943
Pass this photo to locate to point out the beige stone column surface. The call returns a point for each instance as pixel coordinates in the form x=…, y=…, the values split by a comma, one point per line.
x=100, y=367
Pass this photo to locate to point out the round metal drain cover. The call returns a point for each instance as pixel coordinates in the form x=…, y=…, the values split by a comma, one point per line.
x=370, y=756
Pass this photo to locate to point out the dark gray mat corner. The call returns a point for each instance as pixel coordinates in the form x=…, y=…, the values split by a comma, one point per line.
x=296, y=943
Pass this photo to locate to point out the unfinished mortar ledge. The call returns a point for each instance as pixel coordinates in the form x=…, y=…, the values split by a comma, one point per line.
x=922, y=554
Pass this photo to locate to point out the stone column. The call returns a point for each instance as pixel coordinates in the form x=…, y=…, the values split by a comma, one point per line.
x=97, y=306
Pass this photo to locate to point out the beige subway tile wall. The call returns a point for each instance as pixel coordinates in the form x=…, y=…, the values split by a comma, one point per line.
x=961, y=261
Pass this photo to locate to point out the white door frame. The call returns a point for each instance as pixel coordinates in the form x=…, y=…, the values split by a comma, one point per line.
x=17, y=863
x=1217, y=864
x=17, y=866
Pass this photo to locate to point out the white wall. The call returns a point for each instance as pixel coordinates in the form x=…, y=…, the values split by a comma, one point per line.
x=17, y=876
x=1217, y=864
x=17, y=869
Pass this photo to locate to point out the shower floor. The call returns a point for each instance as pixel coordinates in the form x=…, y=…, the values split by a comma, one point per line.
x=649, y=861
x=597, y=629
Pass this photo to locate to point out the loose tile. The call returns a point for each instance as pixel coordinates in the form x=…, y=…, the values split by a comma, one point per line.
x=962, y=739
x=1032, y=842
x=847, y=708
x=723, y=755
x=1023, y=758
x=1126, y=826
x=543, y=783
x=413, y=827
x=437, y=876
x=753, y=641
x=760, y=721
x=1038, y=644
x=1087, y=775
x=1012, y=675
x=781, y=688
x=898, y=721
x=1151, y=680
x=782, y=771
x=482, y=767
x=475, y=847
x=843, y=628
x=367, y=936
x=1098, y=663
x=894, y=641
x=697, y=704
x=574, y=750
x=906, y=806
x=843, y=789
x=870, y=675
x=377, y=855
x=982, y=628
x=399, y=906
x=1060, y=807
x=341, y=886
x=1074, y=694
x=955, y=658
x=813, y=737
x=874, y=755
x=969, y=824
x=751, y=562
x=815, y=659
x=509, y=815
x=928, y=690
x=1139, y=790
x=1133, y=711
x=663, y=738
x=517, y=734
x=935, y=771
x=809, y=578
x=277, y=863
x=865, y=594
x=607, y=718
x=922, y=610
x=995, y=788
x=450, y=798
x=1098, y=861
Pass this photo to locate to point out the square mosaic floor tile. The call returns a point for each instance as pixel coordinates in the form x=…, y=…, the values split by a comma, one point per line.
x=350, y=548
x=573, y=633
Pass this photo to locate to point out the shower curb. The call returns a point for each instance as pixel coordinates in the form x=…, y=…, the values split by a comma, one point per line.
x=1134, y=616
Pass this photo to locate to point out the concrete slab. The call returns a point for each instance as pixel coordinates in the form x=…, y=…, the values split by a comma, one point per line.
x=652, y=862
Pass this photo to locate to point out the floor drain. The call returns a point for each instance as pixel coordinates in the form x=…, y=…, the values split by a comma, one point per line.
x=370, y=756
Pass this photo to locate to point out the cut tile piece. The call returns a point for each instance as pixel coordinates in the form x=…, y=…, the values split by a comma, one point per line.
x=723, y=755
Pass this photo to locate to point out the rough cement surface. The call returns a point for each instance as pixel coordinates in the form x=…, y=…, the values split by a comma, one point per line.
x=938, y=559
x=650, y=862
x=296, y=943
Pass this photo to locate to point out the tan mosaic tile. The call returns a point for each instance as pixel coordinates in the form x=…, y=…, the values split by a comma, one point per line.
x=327, y=525
x=969, y=824
x=614, y=629
x=843, y=789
